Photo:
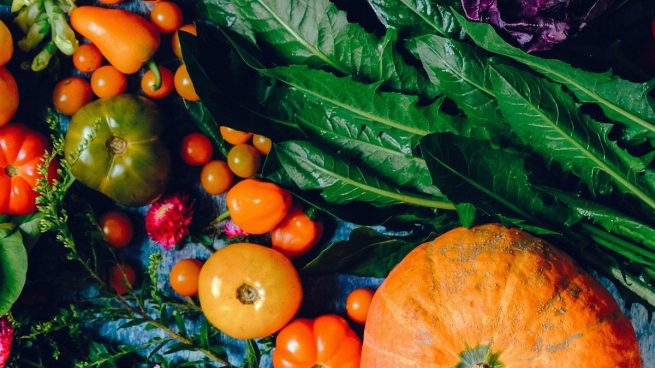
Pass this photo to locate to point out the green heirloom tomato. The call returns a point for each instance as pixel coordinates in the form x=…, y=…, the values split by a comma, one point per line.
x=121, y=155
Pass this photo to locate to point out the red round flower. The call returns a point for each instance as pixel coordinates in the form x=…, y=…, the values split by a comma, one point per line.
x=167, y=220
x=232, y=230
x=6, y=337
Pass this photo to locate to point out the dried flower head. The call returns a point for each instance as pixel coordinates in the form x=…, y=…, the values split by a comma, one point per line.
x=6, y=337
x=167, y=220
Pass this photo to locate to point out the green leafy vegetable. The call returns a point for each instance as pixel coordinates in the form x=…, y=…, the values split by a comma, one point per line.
x=13, y=267
x=418, y=17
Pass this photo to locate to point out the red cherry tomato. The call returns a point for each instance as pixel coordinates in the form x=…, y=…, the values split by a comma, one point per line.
x=87, y=58
x=196, y=149
x=184, y=277
x=166, y=87
x=296, y=234
x=121, y=278
x=357, y=304
x=117, y=228
x=71, y=94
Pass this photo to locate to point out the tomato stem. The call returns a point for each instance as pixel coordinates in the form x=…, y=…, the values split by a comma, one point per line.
x=11, y=170
x=154, y=68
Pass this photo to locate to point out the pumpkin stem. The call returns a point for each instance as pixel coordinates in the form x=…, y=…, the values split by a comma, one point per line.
x=481, y=356
x=247, y=294
x=11, y=170
x=318, y=366
x=116, y=145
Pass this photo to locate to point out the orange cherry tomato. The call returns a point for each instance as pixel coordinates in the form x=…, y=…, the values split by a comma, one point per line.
x=326, y=341
x=196, y=149
x=175, y=41
x=21, y=152
x=249, y=291
x=6, y=44
x=87, y=58
x=243, y=160
x=257, y=206
x=262, y=143
x=296, y=234
x=108, y=81
x=184, y=277
x=233, y=136
x=121, y=278
x=117, y=228
x=357, y=304
x=111, y=2
x=8, y=96
x=216, y=177
x=166, y=16
x=71, y=94
x=184, y=85
x=166, y=87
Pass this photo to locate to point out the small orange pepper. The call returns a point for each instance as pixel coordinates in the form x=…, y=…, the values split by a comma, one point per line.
x=125, y=39
x=296, y=234
x=256, y=206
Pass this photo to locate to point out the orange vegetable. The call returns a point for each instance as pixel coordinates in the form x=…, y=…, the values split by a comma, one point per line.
x=296, y=234
x=358, y=303
x=8, y=96
x=233, y=136
x=107, y=81
x=166, y=16
x=175, y=40
x=262, y=143
x=256, y=206
x=125, y=39
x=87, y=58
x=184, y=276
x=6, y=44
x=71, y=94
x=494, y=297
x=326, y=341
x=149, y=80
x=184, y=85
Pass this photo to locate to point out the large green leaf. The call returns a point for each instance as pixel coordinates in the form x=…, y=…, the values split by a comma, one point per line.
x=547, y=120
x=621, y=100
x=460, y=70
x=343, y=182
x=317, y=34
x=418, y=17
x=13, y=269
x=207, y=125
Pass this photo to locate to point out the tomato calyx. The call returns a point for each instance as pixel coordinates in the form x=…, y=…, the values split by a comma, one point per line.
x=11, y=170
x=318, y=366
x=116, y=145
x=247, y=294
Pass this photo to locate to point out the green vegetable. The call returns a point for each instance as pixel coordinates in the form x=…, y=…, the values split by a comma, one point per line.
x=418, y=17
x=13, y=267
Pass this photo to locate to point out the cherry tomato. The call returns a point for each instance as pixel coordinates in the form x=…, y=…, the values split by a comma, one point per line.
x=243, y=160
x=111, y=2
x=166, y=87
x=184, y=85
x=262, y=143
x=357, y=304
x=107, y=81
x=166, y=16
x=184, y=277
x=6, y=44
x=196, y=149
x=233, y=136
x=296, y=234
x=326, y=341
x=175, y=41
x=87, y=58
x=249, y=291
x=117, y=228
x=71, y=94
x=8, y=96
x=121, y=278
x=216, y=177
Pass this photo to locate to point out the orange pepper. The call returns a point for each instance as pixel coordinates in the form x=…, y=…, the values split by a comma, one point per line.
x=256, y=206
x=296, y=234
x=125, y=39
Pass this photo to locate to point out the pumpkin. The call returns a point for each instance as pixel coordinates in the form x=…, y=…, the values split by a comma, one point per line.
x=491, y=297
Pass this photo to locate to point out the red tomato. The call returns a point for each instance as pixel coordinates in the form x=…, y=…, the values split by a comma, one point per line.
x=121, y=278
x=184, y=277
x=71, y=94
x=117, y=228
x=21, y=152
x=296, y=234
x=357, y=304
x=166, y=87
x=326, y=341
x=196, y=149
x=87, y=58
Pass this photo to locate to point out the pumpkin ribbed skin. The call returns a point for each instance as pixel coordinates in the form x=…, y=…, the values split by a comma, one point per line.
x=490, y=285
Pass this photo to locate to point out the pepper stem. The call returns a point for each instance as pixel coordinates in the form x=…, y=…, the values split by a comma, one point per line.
x=223, y=216
x=154, y=68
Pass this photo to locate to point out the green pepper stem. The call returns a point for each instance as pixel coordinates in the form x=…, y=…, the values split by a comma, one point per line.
x=223, y=216
x=154, y=68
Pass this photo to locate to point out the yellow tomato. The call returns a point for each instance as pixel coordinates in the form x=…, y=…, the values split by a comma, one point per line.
x=249, y=291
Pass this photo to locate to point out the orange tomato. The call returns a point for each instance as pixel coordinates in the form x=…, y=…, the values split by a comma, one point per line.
x=196, y=149
x=107, y=81
x=110, y=2
x=121, y=278
x=71, y=94
x=243, y=160
x=262, y=143
x=184, y=277
x=8, y=96
x=257, y=207
x=175, y=41
x=117, y=228
x=216, y=177
x=166, y=16
x=357, y=304
x=166, y=87
x=6, y=44
x=249, y=291
x=326, y=341
x=296, y=234
x=233, y=136
x=87, y=58
x=184, y=85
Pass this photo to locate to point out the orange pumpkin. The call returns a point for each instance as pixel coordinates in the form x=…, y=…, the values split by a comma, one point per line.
x=494, y=297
